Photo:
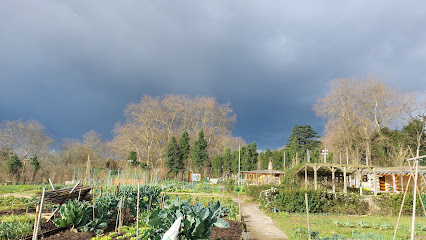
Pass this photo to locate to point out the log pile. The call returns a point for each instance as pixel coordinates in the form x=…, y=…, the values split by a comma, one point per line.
x=62, y=195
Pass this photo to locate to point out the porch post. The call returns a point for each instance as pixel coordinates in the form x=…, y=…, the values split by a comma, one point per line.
x=402, y=182
x=345, y=187
x=374, y=182
x=315, y=176
x=333, y=179
x=306, y=178
x=394, y=182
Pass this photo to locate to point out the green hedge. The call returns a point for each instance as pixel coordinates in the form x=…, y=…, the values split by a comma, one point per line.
x=391, y=203
x=293, y=200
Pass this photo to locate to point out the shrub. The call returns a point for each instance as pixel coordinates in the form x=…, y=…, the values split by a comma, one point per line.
x=293, y=200
x=391, y=203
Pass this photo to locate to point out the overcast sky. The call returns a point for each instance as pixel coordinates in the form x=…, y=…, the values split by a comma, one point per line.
x=75, y=65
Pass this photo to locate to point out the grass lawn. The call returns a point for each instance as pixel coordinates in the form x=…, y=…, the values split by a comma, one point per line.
x=20, y=188
x=350, y=226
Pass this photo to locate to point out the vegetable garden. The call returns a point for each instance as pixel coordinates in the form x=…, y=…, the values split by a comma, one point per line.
x=126, y=212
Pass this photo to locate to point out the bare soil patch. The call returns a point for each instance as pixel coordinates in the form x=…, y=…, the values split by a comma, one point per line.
x=232, y=233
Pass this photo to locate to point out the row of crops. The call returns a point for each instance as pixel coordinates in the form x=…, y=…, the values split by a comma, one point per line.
x=117, y=212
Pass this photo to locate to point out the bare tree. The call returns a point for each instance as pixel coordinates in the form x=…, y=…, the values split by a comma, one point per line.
x=153, y=121
x=357, y=110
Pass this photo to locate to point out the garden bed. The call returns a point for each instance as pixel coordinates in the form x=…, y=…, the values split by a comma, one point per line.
x=234, y=232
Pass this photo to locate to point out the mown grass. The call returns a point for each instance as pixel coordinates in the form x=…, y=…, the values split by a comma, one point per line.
x=351, y=227
x=20, y=188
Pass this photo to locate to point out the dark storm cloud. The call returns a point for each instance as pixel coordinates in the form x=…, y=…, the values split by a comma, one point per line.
x=75, y=65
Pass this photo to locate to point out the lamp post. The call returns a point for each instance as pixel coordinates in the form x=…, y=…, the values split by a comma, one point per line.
x=325, y=153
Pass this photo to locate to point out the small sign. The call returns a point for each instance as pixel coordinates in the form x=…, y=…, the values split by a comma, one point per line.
x=195, y=177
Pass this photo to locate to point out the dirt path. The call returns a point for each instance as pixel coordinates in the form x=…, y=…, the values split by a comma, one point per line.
x=258, y=224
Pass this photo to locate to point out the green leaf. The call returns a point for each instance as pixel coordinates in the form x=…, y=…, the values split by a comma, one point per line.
x=221, y=223
x=205, y=214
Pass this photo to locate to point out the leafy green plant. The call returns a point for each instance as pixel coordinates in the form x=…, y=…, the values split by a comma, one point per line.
x=197, y=220
x=14, y=230
x=74, y=213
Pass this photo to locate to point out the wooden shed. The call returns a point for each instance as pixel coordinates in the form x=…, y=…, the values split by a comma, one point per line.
x=262, y=177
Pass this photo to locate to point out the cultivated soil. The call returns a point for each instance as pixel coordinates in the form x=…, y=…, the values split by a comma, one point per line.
x=232, y=233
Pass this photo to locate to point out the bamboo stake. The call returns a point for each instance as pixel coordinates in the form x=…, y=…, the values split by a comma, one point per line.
x=120, y=220
x=137, y=214
x=72, y=190
x=51, y=184
x=420, y=197
x=39, y=216
x=402, y=205
x=149, y=205
x=35, y=221
x=307, y=215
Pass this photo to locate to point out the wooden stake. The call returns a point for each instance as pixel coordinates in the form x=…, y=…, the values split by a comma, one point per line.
x=345, y=184
x=35, y=221
x=149, y=205
x=51, y=184
x=39, y=216
x=333, y=178
x=306, y=178
x=307, y=215
x=72, y=190
x=137, y=214
x=402, y=205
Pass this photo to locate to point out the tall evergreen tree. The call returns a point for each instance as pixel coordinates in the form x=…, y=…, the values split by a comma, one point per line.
x=133, y=158
x=13, y=165
x=217, y=165
x=301, y=139
x=35, y=164
x=253, y=156
x=245, y=158
x=227, y=160
x=184, y=147
x=199, y=154
x=264, y=159
x=173, y=157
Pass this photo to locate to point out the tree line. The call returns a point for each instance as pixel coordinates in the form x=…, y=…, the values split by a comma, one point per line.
x=367, y=120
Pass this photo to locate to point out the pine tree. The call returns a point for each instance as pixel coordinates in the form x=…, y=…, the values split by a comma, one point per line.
x=199, y=152
x=227, y=160
x=13, y=165
x=253, y=156
x=184, y=147
x=173, y=157
x=36, y=166
x=217, y=165
x=133, y=158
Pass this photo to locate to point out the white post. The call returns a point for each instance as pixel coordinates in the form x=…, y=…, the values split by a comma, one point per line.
x=51, y=184
x=239, y=162
x=413, y=229
x=36, y=224
x=345, y=187
x=284, y=159
x=347, y=156
x=324, y=153
x=402, y=182
x=137, y=213
x=340, y=157
x=394, y=182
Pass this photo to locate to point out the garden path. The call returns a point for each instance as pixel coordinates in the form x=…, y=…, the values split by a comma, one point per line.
x=259, y=225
